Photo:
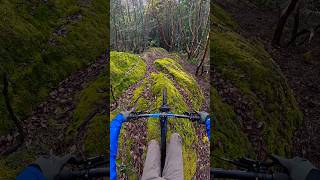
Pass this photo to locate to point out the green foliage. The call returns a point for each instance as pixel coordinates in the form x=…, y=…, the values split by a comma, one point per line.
x=36, y=57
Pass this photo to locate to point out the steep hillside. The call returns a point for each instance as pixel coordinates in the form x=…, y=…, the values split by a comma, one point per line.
x=150, y=72
x=254, y=107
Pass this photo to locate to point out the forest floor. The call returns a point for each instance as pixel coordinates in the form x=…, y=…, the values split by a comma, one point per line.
x=301, y=69
x=137, y=131
x=46, y=128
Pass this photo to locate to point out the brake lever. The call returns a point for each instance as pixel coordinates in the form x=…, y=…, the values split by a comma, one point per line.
x=193, y=116
x=133, y=115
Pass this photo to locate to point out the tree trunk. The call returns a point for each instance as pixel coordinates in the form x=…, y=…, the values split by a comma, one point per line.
x=282, y=22
x=204, y=56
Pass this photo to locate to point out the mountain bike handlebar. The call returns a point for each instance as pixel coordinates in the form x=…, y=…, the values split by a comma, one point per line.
x=238, y=174
x=191, y=116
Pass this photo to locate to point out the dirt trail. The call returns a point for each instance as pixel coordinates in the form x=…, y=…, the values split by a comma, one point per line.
x=45, y=128
x=137, y=131
x=303, y=76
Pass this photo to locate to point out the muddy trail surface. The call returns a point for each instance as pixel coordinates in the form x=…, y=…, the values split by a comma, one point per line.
x=303, y=74
x=45, y=130
x=137, y=131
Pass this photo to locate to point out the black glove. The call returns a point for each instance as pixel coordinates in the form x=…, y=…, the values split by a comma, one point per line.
x=297, y=167
x=126, y=114
x=52, y=165
x=203, y=116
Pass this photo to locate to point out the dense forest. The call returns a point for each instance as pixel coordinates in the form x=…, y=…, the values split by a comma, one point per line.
x=265, y=69
x=180, y=26
x=53, y=79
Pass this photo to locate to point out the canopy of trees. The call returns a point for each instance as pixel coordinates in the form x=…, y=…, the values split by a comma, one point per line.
x=176, y=25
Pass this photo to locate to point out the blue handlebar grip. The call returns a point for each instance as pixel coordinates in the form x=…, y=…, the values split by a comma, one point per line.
x=208, y=127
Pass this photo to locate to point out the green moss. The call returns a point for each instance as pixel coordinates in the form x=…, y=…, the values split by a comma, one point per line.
x=34, y=65
x=175, y=99
x=177, y=104
x=126, y=69
x=221, y=17
x=184, y=128
x=15, y=163
x=88, y=100
x=251, y=70
x=97, y=138
x=228, y=139
x=158, y=50
x=185, y=80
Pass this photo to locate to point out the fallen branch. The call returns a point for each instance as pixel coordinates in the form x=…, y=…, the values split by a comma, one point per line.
x=12, y=115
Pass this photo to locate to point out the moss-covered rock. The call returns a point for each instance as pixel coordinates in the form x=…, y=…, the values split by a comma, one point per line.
x=222, y=18
x=185, y=80
x=257, y=80
x=126, y=69
x=43, y=42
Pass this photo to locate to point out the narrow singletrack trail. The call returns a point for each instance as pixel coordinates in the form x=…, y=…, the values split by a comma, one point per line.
x=137, y=131
x=45, y=129
x=303, y=76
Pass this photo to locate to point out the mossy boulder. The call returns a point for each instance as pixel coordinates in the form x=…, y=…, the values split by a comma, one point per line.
x=43, y=42
x=184, y=80
x=126, y=69
x=248, y=86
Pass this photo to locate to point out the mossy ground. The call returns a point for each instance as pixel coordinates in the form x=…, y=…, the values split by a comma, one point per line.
x=36, y=58
x=126, y=69
x=251, y=70
x=158, y=80
x=90, y=100
x=187, y=82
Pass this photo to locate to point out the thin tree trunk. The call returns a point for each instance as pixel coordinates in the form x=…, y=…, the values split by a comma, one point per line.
x=296, y=22
x=282, y=22
x=204, y=56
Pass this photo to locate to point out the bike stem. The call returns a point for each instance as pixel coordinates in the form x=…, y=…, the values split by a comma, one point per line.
x=163, y=125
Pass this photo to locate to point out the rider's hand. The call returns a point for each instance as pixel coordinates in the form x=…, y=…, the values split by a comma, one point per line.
x=52, y=165
x=203, y=116
x=126, y=114
x=297, y=167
